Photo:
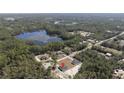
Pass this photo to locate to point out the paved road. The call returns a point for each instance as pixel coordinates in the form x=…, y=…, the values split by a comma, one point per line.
x=109, y=38
x=90, y=45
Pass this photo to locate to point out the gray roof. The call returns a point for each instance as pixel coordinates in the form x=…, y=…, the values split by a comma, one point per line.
x=75, y=62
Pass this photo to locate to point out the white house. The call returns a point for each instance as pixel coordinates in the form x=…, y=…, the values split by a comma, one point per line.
x=68, y=67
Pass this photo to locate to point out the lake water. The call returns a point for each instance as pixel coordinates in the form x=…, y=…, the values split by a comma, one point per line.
x=38, y=37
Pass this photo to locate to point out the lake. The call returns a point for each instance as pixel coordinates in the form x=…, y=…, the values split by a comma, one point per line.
x=38, y=37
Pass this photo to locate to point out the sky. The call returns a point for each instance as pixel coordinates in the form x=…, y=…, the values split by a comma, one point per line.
x=61, y=6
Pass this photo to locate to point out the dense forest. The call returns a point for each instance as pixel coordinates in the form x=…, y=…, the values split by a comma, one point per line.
x=95, y=66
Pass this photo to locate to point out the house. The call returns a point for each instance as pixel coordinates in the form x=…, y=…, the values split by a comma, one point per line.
x=56, y=22
x=91, y=41
x=108, y=54
x=59, y=54
x=46, y=60
x=109, y=31
x=84, y=34
x=121, y=43
x=121, y=61
x=9, y=19
x=43, y=57
x=119, y=73
x=67, y=67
